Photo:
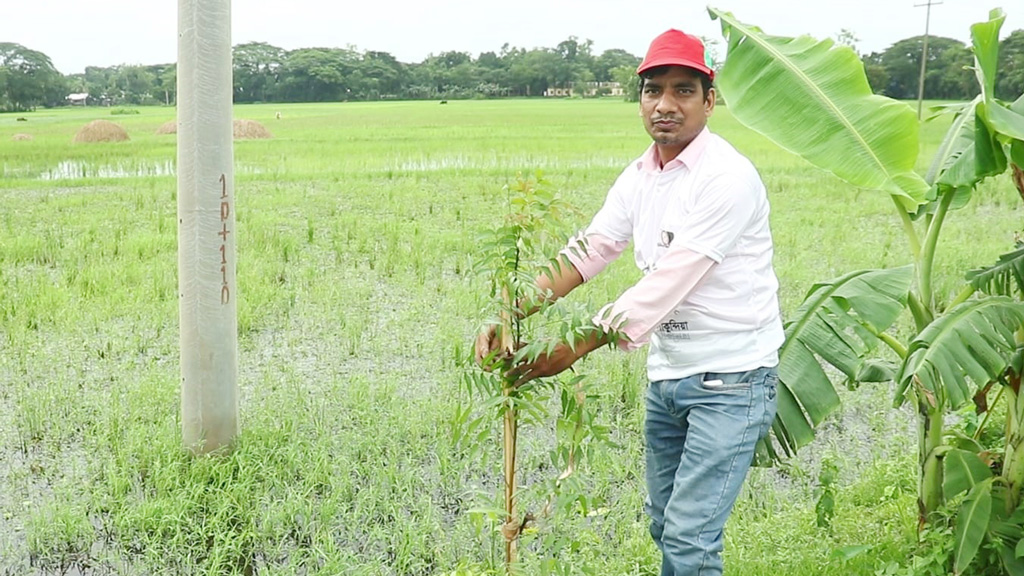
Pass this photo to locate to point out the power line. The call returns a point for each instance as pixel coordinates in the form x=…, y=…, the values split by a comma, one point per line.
x=924, y=53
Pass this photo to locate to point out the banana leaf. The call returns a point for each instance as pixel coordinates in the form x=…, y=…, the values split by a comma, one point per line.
x=1012, y=562
x=1002, y=277
x=973, y=148
x=969, y=153
x=813, y=99
x=972, y=341
x=837, y=322
x=971, y=525
x=1004, y=528
x=1017, y=154
x=954, y=159
x=985, y=41
x=1006, y=121
x=962, y=471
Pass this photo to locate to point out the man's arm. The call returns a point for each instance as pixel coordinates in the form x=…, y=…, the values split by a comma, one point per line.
x=639, y=310
x=636, y=313
x=560, y=279
x=561, y=358
x=577, y=264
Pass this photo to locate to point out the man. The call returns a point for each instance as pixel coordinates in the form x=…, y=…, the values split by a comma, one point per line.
x=697, y=214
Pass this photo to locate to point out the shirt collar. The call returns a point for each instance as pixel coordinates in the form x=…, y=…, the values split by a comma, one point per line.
x=650, y=161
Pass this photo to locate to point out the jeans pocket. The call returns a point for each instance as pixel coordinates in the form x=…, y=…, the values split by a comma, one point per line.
x=727, y=381
x=771, y=383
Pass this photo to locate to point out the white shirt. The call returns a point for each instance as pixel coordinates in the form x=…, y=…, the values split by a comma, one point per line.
x=707, y=204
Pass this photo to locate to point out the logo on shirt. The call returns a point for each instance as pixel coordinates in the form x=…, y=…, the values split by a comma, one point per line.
x=666, y=239
x=675, y=329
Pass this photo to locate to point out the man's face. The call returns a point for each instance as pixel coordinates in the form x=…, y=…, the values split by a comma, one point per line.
x=674, y=109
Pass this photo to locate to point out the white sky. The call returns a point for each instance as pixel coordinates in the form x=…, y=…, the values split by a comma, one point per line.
x=80, y=33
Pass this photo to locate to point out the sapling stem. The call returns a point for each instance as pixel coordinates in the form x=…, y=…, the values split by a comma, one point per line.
x=508, y=345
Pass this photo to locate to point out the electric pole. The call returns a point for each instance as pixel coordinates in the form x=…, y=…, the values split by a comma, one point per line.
x=924, y=53
x=206, y=227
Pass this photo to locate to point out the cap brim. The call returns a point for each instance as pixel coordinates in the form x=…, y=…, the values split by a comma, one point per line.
x=675, y=62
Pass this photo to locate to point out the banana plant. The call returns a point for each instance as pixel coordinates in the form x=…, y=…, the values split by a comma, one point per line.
x=990, y=485
x=812, y=98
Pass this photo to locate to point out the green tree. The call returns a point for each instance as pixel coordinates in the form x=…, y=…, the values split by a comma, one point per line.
x=627, y=78
x=902, y=62
x=318, y=75
x=380, y=75
x=450, y=74
x=577, y=61
x=877, y=75
x=535, y=71
x=256, y=67
x=98, y=82
x=29, y=79
x=610, y=60
x=74, y=83
x=132, y=84
x=166, y=82
x=1010, y=82
x=4, y=74
x=510, y=56
x=950, y=76
x=492, y=68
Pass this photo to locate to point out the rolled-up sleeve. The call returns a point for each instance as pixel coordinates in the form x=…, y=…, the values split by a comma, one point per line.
x=590, y=254
x=646, y=304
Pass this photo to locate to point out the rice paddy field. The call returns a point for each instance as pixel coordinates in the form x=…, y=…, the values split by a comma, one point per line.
x=357, y=227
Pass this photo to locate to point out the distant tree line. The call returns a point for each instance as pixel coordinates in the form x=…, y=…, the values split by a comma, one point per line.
x=949, y=70
x=267, y=73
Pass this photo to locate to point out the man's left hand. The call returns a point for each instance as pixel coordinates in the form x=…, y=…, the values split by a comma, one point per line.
x=561, y=358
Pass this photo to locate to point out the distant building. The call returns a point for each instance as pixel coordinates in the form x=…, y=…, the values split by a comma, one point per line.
x=586, y=89
x=78, y=99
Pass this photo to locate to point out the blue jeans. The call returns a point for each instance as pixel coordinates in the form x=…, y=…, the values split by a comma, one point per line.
x=701, y=432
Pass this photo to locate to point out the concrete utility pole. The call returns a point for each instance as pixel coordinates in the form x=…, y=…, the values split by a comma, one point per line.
x=924, y=53
x=206, y=227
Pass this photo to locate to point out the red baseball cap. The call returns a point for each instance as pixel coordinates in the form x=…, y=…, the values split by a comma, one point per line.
x=676, y=48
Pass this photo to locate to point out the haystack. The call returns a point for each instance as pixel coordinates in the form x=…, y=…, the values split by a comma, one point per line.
x=22, y=137
x=170, y=127
x=250, y=130
x=101, y=131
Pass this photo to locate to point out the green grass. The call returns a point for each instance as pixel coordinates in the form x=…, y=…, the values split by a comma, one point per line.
x=356, y=229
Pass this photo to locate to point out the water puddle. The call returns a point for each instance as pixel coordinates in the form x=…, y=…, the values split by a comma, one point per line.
x=72, y=170
x=431, y=164
x=79, y=170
